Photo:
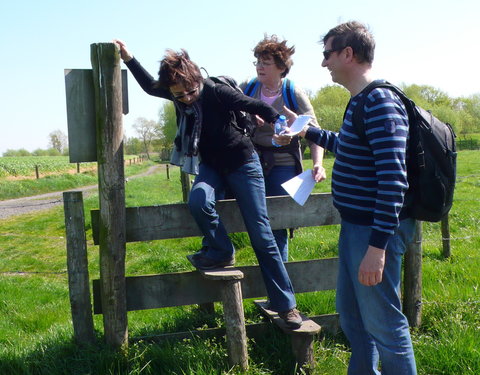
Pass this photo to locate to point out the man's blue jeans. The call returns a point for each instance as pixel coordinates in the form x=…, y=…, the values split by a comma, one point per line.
x=273, y=187
x=248, y=187
x=371, y=316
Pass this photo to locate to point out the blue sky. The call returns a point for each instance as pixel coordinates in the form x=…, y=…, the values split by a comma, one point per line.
x=424, y=42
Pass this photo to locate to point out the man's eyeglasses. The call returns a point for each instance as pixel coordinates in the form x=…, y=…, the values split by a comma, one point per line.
x=327, y=53
x=262, y=63
x=188, y=93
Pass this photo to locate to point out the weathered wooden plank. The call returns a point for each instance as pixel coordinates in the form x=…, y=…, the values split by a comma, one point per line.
x=77, y=265
x=80, y=97
x=175, y=221
x=156, y=291
x=108, y=104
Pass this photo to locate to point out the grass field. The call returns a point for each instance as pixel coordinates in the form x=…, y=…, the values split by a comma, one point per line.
x=36, y=331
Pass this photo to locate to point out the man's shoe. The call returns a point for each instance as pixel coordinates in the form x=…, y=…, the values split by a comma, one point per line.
x=201, y=262
x=291, y=318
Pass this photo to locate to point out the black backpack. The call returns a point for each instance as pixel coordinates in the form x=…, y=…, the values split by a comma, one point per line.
x=241, y=120
x=431, y=157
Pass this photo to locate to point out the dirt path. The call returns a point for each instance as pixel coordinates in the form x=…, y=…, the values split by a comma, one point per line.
x=19, y=206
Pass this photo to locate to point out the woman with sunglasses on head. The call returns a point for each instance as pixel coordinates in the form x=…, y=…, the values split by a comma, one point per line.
x=210, y=146
x=280, y=164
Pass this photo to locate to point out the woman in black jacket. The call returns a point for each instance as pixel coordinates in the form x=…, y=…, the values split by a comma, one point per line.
x=208, y=145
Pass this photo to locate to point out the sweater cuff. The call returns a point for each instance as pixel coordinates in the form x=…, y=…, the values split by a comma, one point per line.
x=311, y=134
x=379, y=239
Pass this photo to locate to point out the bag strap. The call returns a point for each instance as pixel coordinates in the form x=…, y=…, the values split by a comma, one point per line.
x=251, y=87
x=357, y=116
x=288, y=91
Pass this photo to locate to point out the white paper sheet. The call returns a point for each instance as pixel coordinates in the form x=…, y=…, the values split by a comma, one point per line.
x=298, y=124
x=300, y=187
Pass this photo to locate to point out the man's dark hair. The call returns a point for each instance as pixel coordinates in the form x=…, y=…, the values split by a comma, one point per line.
x=355, y=35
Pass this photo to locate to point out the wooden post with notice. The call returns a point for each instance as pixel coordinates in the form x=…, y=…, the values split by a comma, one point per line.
x=111, y=180
x=412, y=290
x=77, y=265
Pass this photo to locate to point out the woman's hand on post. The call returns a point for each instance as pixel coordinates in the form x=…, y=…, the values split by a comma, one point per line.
x=124, y=52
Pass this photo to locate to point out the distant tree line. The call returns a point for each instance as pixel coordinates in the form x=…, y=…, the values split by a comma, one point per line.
x=462, y=113
x=329, y=104
x=57, y=146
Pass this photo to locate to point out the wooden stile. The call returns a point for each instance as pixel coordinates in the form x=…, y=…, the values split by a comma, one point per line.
x=175, y=221
x=108, y=104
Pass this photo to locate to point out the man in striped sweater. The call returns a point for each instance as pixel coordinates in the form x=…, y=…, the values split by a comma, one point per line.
x=369, y=182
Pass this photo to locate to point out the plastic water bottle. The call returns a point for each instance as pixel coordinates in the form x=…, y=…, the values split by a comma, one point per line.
x=280, y=126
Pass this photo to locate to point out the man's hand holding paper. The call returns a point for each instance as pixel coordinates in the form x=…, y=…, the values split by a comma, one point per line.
x=300, y=187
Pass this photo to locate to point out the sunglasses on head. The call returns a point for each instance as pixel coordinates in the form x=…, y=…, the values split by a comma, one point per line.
x=327, y=53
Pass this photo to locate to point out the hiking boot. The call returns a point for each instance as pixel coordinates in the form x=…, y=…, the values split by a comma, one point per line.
x=202, y=251
x=291, y=318
x=202, y=262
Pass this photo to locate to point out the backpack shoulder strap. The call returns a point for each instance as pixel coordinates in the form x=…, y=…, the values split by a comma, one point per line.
x=288, y=91
x=357, y=116
x=251, y=87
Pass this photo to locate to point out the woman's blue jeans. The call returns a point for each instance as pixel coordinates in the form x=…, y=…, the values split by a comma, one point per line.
x=248, y=187
x=273, y=187
x=371, y=316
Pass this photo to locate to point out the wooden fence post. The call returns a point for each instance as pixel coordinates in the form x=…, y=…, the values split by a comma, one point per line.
x=111, y=180
x=446, y=237
x=186, y=187
x=168, y=172
x=412, y=279
x=235, y=324
x=37, y=174
x=77, y=266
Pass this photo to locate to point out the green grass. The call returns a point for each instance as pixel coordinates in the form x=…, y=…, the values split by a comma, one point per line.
x=35, y=326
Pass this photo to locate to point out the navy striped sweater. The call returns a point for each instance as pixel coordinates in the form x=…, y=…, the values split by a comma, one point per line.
x=369, y=180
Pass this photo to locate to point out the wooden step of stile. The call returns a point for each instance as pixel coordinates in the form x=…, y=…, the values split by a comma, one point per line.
x=229, y=279
x=223, y=273
x=308, y=327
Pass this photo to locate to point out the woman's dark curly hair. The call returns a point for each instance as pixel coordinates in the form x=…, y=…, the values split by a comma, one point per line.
x=271, y=46
x=177, y=68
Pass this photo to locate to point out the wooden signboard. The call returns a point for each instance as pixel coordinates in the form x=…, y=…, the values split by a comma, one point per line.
x=80, y=95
